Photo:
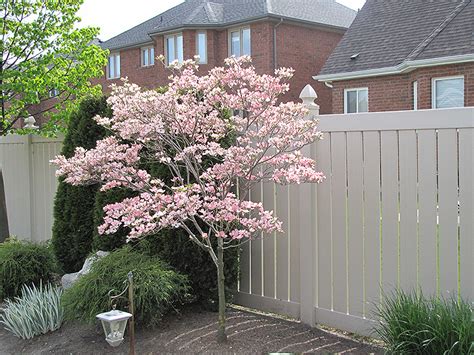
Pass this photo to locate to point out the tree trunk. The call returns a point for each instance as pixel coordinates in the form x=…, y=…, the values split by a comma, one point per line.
x=221, y=336
x=4, y=232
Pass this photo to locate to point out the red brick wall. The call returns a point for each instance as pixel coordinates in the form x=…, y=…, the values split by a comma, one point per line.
x=395, y=92
x=304, y=48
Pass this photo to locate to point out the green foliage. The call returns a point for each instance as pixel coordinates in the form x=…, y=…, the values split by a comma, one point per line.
x=157, y=288
x=413, y=324
x=74, y=205
x=43, y=50
x=24, y=263
x=175, y=247
x=38, y=311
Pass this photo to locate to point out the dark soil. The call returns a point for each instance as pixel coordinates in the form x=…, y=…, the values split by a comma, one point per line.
x=194, y=332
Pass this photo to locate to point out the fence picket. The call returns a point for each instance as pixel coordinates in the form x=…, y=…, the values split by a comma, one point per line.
x=256, y=250
x=427, y=202
x=466, y=204
x=408, y=210
x=372, y=220
x=339, y=220
x=448, y=211
x=355, y=225
x=324, y=247
x=283, y=240
x=269, y=244
x=389, y=171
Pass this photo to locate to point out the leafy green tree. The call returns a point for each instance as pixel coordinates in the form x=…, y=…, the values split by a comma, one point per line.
x=73, y=226
x=44, y=55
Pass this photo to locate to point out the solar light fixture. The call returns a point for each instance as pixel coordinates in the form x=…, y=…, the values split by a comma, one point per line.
x=114, y=323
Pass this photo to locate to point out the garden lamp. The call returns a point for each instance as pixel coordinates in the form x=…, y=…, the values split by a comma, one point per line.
x=114, y=323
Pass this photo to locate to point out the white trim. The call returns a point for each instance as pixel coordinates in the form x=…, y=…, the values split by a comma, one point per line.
x=240, y=30
x=441, y=78
x=415, y=95
x=205, y=46
x=404, y=67
x=357, y=91
x=151, y=58
x=175, y=38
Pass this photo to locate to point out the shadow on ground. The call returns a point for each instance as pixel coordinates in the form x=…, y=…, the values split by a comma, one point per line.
x=194, y=332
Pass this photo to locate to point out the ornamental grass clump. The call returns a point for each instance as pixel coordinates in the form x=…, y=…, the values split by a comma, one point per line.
x=38, y=311
x=157, y=288
x=413, y=324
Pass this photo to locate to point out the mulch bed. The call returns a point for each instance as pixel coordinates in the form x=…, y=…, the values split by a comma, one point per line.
x=194, y=331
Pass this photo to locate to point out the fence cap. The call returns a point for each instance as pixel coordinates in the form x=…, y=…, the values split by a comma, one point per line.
x=308, y=95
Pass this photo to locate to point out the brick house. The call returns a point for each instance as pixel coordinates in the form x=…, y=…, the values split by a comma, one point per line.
x=404, y=55
x=276, y=33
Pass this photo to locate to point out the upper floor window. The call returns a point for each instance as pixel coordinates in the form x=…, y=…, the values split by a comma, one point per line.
x=148, y=56
x=174, y=48
x=448, y=92
x=201, y=47
x=53, y=92
x=356, y=100
x=240, y=42
x=113, y=66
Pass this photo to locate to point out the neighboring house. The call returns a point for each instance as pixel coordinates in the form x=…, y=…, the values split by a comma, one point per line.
x=404, y=55
x=276, y=33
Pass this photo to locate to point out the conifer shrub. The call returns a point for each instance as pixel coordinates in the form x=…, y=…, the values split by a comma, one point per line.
x=24, y=263
x=73, y=226
x=158, y=289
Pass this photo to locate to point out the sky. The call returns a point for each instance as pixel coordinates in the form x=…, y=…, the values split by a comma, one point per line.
x=115, y=16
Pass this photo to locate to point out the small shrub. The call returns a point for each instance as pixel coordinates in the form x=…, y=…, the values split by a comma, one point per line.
x=412, y=324
x=157, y=288
x=38, y=311
x=24, y=263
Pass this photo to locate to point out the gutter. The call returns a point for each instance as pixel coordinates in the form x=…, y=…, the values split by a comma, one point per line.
x=275, y=58
x=404, y=67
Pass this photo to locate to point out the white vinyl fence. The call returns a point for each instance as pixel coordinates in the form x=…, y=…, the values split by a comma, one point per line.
x=395, y=211
x=30, y=184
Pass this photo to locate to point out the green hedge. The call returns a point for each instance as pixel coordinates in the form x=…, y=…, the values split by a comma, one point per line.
x=74, y=205
x=24, y=263
x=157, y=288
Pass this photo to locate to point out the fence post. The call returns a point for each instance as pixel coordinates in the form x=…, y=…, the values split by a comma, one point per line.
x=308, y=226
x=28, y=202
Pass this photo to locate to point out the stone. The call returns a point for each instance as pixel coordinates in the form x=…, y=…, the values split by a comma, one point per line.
x=70, y=279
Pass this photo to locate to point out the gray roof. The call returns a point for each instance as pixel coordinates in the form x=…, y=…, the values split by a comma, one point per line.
x=387, y=33
x=221, y=13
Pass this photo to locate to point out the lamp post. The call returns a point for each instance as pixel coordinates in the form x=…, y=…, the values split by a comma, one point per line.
x=114, y=322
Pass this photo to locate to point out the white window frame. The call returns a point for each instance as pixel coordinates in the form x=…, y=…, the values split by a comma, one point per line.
x=355, y=89
x=115, y=55
x=240, y=30
x=150, y=53
x=53, y=93
x=201, y=60
x=415, y=95
x=174, y=36
x=433, y=88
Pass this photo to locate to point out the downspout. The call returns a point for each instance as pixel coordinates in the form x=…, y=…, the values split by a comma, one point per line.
x=275, y=61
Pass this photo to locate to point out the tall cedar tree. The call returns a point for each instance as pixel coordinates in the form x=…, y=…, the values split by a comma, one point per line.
x=74, y=205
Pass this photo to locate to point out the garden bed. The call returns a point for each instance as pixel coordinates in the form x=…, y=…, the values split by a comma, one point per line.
x=193, y=332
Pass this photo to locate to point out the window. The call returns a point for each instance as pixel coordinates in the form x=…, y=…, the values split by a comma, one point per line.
x=174, y=48
x=113, y=66
x=415, y=95
x=356, y=100
x=53, y=93
x=448, y=92
x=239, y=42
x=201, y=47
x=148, y=56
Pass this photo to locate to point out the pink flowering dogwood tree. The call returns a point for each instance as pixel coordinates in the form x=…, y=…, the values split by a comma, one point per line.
x=184, y=128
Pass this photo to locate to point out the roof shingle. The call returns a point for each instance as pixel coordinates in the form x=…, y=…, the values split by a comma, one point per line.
x=387, y=33
x=221, y=13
